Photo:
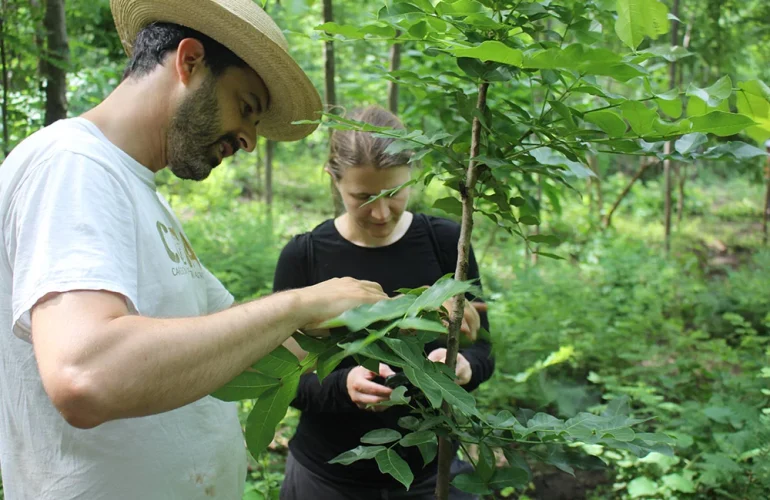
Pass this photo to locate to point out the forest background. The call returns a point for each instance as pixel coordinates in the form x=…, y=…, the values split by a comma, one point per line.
x=661, y=290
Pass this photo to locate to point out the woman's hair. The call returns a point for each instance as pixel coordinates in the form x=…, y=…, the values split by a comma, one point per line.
x=351, y=148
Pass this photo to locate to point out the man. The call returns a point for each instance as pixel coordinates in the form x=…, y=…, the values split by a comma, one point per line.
x=112, y=333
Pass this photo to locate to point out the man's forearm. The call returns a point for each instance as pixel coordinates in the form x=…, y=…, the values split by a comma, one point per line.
x=139, y=366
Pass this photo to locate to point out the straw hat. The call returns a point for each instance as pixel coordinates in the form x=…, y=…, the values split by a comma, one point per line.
x=245, y=29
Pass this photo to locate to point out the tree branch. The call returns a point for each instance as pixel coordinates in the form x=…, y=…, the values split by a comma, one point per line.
x=445, y=450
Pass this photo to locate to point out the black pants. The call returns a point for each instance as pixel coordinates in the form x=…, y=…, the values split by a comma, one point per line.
x=302, y=484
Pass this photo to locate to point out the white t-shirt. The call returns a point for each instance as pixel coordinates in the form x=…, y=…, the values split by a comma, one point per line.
x=78, y=213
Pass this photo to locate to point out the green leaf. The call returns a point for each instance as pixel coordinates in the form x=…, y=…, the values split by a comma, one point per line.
x=688, y=143
x=449, y=205
x=444, y=289
x=672, y=108
x=409, y=423
x=418, y=438
x=419, y=30
x=267, y=413
x=328, y=361
x=381, y=436
x=356, y=454
x=397, y=397
x=362, y=316
x=408, y=352
x=513, y=477
x=381, y=353
x=487, y=463
x=422, y=324
x=564, y=112
x=459, y=7
x=310, y=344
x=641, y=118
x=247, y=385
x=344, y=30
x=390, y=463
x=640, y=18
x=608, y=121
x=428, y=452
x=642, y=487
x=715, y=94
x=754, y=102
x=738, y=150
x=720, y=123
x=491, y=50
x=278, y=363
x=678, y=482
x=546, y=239
x=471, y=483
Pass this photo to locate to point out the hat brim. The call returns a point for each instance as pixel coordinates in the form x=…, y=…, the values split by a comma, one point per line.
x=240, y=26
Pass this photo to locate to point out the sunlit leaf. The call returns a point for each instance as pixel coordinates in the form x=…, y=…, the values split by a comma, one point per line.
x=492, y=51
x=247, y=385
x=356, y=454
x=720, y=123
x=267, y=413
x=278, y=363
x=638, y=19
x=381, y=436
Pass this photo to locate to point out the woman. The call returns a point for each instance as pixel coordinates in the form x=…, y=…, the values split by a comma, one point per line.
x=381, y=242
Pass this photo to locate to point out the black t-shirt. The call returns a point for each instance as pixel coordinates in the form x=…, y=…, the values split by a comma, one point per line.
x=330, y=423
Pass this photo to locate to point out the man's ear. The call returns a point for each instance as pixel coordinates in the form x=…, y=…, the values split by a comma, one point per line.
x=189, y=59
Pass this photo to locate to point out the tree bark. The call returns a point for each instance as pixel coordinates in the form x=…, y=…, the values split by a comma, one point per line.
x=57, y=59
x=258, y=164
x=4, y=68
x=445, y=451
x=330, y=96
x=668, y=146
x=642, y=168
x=682, y=177
x=395, y=64
x=269, y=152
x=766, y=215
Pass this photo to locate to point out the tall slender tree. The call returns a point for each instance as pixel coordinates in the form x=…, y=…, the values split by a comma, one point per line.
x=4, y=69
x=57, y=59
x=668, y=146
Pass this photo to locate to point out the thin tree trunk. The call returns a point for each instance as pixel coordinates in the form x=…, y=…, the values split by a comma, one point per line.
x=667, y=214
x=539, y=205
x=269, y=151
x=330, y=96
x=767, y=199
x=595, y=183
x=682, y=177
x=395, y=64
x=258, y=164
x=668, y=146
x=57, y=59
x=4, y=64
x=645, y=164
x=445, y=449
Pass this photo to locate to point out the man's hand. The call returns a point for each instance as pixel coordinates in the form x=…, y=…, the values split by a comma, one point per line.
x=331, y=298
x=462, y=369
x=363, y=391
x=471, y=318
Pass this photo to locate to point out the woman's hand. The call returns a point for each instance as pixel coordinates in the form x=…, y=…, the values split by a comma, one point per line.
x=463, y=369
x=363, y=391
x=471, y=318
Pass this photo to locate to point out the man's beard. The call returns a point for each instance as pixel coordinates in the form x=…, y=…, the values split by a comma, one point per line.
x=193, y=136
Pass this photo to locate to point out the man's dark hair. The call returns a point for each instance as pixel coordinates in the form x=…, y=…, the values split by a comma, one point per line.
x=156, y=40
